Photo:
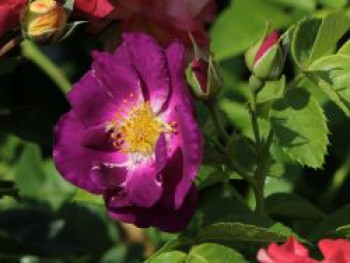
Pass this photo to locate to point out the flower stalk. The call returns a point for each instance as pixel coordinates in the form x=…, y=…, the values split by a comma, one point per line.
x=262, y=151
x=33, y=53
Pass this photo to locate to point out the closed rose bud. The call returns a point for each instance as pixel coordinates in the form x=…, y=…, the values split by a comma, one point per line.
x=266, y=59
x=203, y=78
x=44, y=21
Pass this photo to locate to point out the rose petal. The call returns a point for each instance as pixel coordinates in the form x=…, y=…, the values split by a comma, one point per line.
x=108, y=176
x=158, y=216
x=146, y=60
x=143, y=187
x=106, y=89
x=72, y=160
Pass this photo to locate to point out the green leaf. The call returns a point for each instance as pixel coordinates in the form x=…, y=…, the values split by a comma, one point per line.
x=219, y=203
x=329, y=225
x=238, y=115
x=332, y=75
x=343, y=231
x=243, y=24
x=39, y=181
x=272, y=91
x=300, y=126
x=209, y=175
x=169, y=257
x=82, y=196
x=333, y=27
x=334, y=3
x=242, y=150
x=171, y=246
x=291, y=205
x=345, y=49
x=213, y=253
x=307, y=5
x=303, y=40
x=8, y=188
x=230, y=232
x=314, y=38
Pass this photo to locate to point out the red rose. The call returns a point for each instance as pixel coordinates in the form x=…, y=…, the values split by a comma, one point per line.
x=9, y=14
x=92, y=9
x=335, y=251
x=290, y=252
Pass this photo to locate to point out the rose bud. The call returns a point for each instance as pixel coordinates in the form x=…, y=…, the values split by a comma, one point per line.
x=44, y=21
x=266, y=59
x=203, y=78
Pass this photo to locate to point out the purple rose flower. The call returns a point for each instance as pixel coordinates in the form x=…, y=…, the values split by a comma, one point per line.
x=131, y=134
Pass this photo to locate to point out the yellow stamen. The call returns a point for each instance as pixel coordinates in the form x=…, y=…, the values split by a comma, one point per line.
x=139, y=130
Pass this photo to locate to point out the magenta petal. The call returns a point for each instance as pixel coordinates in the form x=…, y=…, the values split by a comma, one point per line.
x=176, y=220
x=161, y=153
x=149, y=60
x=165, y=219
x=72, y=160
x=175, y=54
x=118, y=77
x=143, y=186
x=185, y=161
x=91, y=102
x=97, y=138
x=108, y=176
x=110, y=86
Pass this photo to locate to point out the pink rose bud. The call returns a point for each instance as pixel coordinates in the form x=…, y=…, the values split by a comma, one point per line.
x=44, y=21
x=203, y=78
x=266, y=59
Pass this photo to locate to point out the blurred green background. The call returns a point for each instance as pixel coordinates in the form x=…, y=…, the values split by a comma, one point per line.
x=44, y=219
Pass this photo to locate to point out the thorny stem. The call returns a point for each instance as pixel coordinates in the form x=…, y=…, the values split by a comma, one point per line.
x=32, y=52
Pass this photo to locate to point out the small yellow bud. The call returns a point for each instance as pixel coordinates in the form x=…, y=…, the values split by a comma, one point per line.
x=44, y=21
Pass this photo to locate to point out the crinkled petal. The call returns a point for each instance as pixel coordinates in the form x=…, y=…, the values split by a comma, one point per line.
x=72, y=160
x=150, y=62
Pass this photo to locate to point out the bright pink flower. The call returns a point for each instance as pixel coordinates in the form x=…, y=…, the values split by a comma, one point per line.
x=335, y=251
x=290, y=252
x=9, y=14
